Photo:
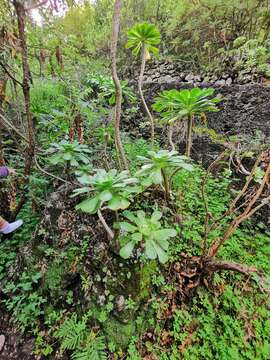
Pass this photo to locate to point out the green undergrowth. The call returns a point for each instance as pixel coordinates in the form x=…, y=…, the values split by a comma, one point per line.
x=115, y=308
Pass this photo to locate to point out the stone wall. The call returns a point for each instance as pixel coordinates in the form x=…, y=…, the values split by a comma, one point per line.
x=244, y=111
x=172, y=72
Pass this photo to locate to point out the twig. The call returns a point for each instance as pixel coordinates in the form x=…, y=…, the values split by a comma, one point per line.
x=51, y=175
x=205, y=202
x=10, y=75
x=8, y=125
x=232, y=209
x=243, y=216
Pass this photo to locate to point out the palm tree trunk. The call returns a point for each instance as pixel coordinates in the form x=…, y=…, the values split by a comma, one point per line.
x=140, y=83
x=189, y=135
x=118, y=90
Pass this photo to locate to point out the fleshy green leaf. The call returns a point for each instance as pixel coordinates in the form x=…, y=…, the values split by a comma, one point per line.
x=126, y=250
x=118, y=202
x=127, y=226
x=106, y=195
x=164, y=234
x=150, y=250
x=89, y=205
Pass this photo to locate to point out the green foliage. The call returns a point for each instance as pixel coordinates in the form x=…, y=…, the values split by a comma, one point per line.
x=93, y=349
x=230, y=319
x=66, y=152
x=24, y=301
x=157, y=163
x=47, y=97
x=83, y=173
x=73, y=334
x=252, y=55
x=145, y=36
x=103, y=87
x=41, y=346
x=175, y=105
x=215, y=332
x=146, y=230
x=110, y=187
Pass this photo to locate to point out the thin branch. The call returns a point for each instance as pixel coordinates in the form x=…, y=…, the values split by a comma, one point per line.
x=243, y=216
x=8, y=125
x=248, y=181
x=232, y=209
x=10, y=75
x=204, y=198
x=35, y=6
x=51, y=175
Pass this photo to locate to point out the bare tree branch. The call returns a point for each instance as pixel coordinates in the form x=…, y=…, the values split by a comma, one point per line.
x=36, y=5
x=10, y=75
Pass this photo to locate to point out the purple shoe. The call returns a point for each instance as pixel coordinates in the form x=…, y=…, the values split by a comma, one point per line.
x=10, y=227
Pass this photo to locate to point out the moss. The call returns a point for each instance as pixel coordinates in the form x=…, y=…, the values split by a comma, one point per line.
x=146, y=273
x=119, y=333
x=54, y=278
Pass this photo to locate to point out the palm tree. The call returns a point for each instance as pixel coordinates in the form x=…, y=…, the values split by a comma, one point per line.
x=176, y=105
x=142, y=39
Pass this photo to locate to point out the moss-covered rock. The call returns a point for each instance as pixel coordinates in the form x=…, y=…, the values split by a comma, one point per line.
x=119, y=333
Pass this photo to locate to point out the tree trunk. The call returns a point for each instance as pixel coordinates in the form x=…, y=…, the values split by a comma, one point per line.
x=3, y=82
x=118, y=90
x=140, y=83
x=20, y=12
x=189, y=136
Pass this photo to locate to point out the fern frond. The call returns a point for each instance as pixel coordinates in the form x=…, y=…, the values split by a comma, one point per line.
x=72, y=333
x=93, y=350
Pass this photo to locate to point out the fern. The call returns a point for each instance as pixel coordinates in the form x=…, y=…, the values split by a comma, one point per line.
x=93, y=350
x=72, y=333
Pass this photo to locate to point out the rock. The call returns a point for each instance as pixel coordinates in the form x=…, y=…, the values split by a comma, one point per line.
x=148, y=80
x=2, y=342
x=120, y=303
x=224, y=76
x=197, y=78
x=168, y=79
x=221, y=82
x=213, y=78
x=189, y=78
x=229, y=81
x=206, y=80
x=101, y=300
x=181, y=75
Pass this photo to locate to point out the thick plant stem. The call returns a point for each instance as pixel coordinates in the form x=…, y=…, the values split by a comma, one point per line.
x=105, y=225
x=140, y=83
x=170, y=137
x=166, y=185
x=189, y=135
x=215, y=265
x=118, y=90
